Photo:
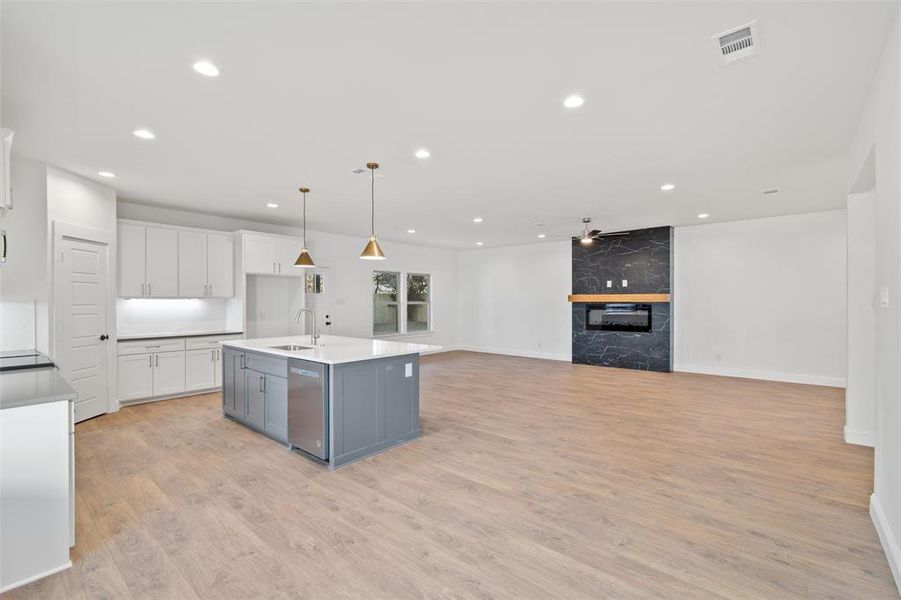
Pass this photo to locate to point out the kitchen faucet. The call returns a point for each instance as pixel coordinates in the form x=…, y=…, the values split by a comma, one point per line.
x=315, y=336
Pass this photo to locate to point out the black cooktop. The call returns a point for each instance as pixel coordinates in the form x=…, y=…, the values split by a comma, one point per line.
x=11, y=360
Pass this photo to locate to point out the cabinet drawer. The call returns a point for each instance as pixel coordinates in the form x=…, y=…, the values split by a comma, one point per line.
x=208, y=342
x=145, y=346
x=271, y=365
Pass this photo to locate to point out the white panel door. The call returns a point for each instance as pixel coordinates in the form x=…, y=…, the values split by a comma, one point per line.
x=132, y=275
x=288, y=250
x=220, y=266
x=162, y=262
x=135, y=377
x=200, y=366
x=259, y=254
x=81, y=328
x=192, y=264
x=168, y=373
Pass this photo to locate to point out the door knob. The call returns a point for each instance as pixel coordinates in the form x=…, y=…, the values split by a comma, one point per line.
x=104, y=337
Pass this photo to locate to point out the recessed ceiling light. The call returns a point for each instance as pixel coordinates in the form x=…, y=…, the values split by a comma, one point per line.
x=541, y=236
x=574, y=101
x=271, y=205
x=144, y=134
x=477, y=220
x=422, y=153
x=411, y=231
x=668, y=187
x=703, y=216
x=106, y=174
x=207, y=68
x=478, y=243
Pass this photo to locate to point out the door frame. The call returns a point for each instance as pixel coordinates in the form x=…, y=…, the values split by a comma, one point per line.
x=61, y=231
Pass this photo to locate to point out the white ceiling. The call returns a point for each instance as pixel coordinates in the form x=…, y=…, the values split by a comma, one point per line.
x=310, y=92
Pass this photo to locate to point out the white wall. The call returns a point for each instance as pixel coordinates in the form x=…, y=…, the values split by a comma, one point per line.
x=763, y=298
x=860, y=392
x=879, y=136
x=513, y=300
x=24, y=281
x=151, y=316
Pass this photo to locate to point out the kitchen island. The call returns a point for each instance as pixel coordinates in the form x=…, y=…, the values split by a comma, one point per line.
x=335, y=401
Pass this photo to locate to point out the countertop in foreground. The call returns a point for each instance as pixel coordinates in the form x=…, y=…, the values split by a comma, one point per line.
x=332, y=349
x=27, y=387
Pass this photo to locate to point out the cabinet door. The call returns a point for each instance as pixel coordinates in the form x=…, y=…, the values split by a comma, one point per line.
x=288, y=250
x=276, y=394
x=200, y=369
x=259, y=254
x=162, y=262
x=192, y=264
x=255, y=396
x=169, y=373
x=135, y=375
x=217, y=368
x=131, y=261
x=220, y=266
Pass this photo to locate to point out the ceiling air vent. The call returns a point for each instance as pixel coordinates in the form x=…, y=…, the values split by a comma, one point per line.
x=738, y=44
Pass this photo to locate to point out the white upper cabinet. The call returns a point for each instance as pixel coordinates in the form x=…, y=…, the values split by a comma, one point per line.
x=260, y=254
x=271, y=254
x=174, y=262
x=220, y=269
x=162, y=262
x=192, y=264
x=132, y=253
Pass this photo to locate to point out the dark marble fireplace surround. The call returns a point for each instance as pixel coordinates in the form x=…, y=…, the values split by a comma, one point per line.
x=645, y=259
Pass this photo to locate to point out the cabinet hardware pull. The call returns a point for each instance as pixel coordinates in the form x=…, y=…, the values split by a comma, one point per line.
x=213, y=356
x=149, y=290
x=242, y=362
x=150, y=356
x=157, y=360
x=142, y=289
x=261, y=384
x=210, y=290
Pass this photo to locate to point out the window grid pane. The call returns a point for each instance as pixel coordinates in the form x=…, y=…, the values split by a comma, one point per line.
x=384, y=302
x=418, y=302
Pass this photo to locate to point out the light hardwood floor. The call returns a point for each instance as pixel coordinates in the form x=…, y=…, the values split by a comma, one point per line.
x=533, y=479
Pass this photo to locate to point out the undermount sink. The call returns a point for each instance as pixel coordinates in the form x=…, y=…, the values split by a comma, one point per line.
x=292, y=348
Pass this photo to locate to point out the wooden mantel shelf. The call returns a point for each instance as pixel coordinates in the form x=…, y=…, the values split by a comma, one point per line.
x=648, y=298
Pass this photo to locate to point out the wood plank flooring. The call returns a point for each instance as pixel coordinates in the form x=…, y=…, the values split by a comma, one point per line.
x=533, y=479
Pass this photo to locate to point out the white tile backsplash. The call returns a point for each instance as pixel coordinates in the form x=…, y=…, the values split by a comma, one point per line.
x=152, y=316
x=17, y=325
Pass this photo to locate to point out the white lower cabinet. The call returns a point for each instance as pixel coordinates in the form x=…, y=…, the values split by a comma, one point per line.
x=169, y=366
x=200, y=368
x=135, y=377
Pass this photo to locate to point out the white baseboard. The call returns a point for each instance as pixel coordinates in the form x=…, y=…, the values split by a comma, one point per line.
x=27, y=580
x=889, y=541
x=765, y=375
x=513, y=352
x=861, y=438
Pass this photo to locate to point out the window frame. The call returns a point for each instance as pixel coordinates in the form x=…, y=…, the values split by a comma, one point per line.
x=402, y=304
x=396, y=303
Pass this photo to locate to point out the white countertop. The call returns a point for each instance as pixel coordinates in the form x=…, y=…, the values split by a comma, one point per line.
x=26, y=387
x=332, y=349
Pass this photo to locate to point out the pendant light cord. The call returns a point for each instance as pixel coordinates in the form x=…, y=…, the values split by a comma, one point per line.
x=304, y=219
x=372, y=196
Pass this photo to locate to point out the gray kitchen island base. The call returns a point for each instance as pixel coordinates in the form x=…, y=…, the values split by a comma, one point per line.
x=370, y=405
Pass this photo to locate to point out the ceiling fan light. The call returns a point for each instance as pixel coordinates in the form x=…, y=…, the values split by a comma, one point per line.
x=372, y=251
x=585, y=240
x=304, y=260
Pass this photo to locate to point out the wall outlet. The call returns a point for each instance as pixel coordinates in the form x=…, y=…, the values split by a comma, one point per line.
x=609, y=283
x=625, y=283
x=408, y=370
x=884, y=301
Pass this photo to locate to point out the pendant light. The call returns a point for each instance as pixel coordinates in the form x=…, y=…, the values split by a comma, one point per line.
x=304, y=260
x=372, y=251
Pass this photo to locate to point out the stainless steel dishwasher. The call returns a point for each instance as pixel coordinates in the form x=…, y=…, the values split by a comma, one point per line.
x=308, y=407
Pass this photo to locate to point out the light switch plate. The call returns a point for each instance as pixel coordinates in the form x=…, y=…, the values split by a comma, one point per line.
x=884, y=301
x=408, y=370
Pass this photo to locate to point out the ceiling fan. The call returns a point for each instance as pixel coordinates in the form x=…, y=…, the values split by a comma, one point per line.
x=589, y=235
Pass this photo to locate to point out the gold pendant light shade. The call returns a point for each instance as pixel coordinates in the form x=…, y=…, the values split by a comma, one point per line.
x=372, y=251
x=304, y=260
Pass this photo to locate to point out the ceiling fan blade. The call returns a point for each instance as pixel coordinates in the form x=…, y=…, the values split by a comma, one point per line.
x=615, y=233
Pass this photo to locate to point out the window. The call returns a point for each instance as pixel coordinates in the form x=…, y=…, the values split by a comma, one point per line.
x=385, y=318
x=400, y=308
x=418, y=302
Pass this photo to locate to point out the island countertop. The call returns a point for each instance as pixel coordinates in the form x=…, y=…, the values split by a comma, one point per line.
x=331, y=349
